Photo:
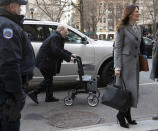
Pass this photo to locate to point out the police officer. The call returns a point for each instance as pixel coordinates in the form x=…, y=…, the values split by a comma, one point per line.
x=48, y=61
x=16, y=64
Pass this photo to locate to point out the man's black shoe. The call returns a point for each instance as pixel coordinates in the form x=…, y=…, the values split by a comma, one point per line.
x=33, y=96
x=51, y=99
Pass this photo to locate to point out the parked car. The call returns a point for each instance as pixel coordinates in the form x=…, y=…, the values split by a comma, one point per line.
x=97, y=54
x=148, y=46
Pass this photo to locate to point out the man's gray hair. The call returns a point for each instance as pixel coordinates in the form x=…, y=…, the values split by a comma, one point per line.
x=61, y=28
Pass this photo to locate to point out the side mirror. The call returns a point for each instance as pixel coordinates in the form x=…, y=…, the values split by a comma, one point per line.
x=84, y=40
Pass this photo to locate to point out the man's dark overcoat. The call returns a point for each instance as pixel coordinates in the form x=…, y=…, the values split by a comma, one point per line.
x=52, y=53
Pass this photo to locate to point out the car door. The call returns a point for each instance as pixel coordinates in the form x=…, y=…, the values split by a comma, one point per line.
x=37, y=34
x=74, y=44
x=148, y=46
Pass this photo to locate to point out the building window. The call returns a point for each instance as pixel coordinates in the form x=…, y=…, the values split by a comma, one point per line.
x=100, y=20
x=104, y=5
x=104, y=20
x=110, y=20
x=104, y=11
x=101, y=28
x=111, y=28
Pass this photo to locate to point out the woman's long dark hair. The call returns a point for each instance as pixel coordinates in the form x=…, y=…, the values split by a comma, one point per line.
x=127, y=11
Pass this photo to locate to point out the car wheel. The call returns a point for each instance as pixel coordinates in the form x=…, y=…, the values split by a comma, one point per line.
x=107, y=75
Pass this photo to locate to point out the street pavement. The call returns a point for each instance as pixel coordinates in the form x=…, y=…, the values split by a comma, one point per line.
x=56, y=116
x=80, y=116
x=145, y=125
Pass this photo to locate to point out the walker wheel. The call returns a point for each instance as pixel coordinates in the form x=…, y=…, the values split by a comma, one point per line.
x=68, y=101
x=97, y=93
x=92, y=100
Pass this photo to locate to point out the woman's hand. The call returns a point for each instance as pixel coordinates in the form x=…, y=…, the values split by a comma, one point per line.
x=117, y=72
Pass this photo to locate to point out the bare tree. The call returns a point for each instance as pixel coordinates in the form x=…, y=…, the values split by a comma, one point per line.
x=149, y=13
x=79, y=7
x=134, y=1
x=92, y=15
x=92, y=12
x=98, y=12
x=53, y=9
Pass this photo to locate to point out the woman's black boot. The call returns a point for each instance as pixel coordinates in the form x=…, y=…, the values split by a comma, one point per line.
x=128, y=117
x=121, y=119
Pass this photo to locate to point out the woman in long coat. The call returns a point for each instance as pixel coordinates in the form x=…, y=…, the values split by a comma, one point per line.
x=126, y=58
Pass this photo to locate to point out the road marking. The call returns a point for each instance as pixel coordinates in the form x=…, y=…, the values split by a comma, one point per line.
x=153, y=83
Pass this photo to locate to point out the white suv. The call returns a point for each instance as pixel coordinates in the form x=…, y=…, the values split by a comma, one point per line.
x=96, y=54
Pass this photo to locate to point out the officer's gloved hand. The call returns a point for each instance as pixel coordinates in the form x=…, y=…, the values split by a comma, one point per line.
x=13, y=106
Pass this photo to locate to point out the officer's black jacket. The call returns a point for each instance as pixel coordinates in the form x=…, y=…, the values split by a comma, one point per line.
x=17, y=58
x=52, y=53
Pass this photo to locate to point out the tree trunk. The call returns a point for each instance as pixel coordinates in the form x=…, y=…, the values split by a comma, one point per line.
x=134, y=1
x=81, y=16
x=155, y=14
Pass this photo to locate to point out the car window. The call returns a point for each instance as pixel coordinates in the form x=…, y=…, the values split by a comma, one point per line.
x=147, y=41
x=35, y=32
x=51, y=28
x=72, y=37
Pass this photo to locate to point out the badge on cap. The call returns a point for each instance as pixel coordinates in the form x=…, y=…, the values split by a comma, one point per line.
x=7, y=33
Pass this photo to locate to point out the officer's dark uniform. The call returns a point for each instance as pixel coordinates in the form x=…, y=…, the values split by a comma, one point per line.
x=48, y=61
x=16, y=67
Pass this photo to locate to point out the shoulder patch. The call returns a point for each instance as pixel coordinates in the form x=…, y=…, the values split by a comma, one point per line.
x=7, y=33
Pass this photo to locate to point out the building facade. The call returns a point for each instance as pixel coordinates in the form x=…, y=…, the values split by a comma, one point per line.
x=110, y=12
x=149, y=16
x=99, y=17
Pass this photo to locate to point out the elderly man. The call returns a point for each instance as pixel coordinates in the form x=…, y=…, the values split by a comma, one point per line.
x=16, y=64
x=48, y=61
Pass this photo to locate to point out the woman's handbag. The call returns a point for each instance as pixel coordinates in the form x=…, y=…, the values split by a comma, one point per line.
x=117, y=97
x=143, y=63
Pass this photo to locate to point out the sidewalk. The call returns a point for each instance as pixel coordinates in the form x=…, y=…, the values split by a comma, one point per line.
x=55, y=116
x=145, y=125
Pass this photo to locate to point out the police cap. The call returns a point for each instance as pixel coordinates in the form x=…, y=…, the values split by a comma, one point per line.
x=7, y=2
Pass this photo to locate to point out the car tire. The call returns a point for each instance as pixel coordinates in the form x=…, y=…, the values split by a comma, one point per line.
x=107, y=75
